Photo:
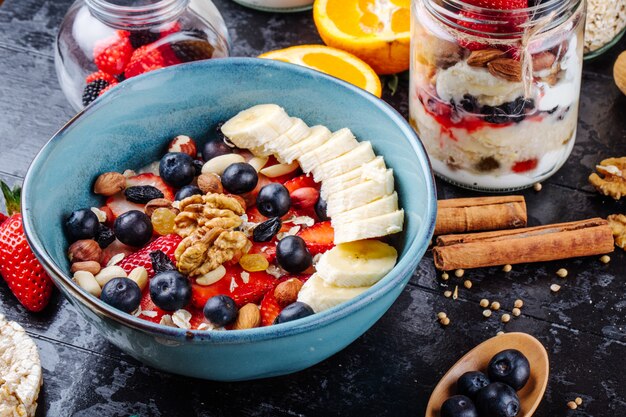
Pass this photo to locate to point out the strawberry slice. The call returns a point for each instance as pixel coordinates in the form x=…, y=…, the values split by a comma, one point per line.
x=118, y=204
x=319, y=238
x=270, y=309
x=113, y=249
x=167, y=244
x=301, y=182
x=243, y=293
x=267, y=249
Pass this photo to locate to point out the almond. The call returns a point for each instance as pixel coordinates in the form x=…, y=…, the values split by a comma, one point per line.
x=184, y=144
x=483, y=57
x=87, y=266
x=248, y=317
x=543, y=61
x=84, y=250
x=506, y=68
x=210, y=183
x=109, y=183
x=304, y=198
x=158, y=203
x=287, y=292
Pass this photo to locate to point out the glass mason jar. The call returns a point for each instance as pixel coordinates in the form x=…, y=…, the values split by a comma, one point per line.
x=494, y=94
x=283, y=6
x=103, y=42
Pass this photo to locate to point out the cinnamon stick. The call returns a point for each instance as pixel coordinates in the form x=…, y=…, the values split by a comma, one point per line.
x=532, y=244
x=460, y=215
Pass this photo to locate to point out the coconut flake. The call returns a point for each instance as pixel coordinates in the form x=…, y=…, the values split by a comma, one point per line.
x=149, y=313
x=181, y=319
x=101, y=215
x=245, y=277
x=275, y=271
x=233, y=284
x=166, y=320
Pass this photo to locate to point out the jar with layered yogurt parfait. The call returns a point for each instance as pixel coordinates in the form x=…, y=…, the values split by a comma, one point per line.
x=494, y=93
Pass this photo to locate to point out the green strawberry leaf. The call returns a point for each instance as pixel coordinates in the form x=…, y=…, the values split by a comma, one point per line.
x=392, y=83
x=11, y=197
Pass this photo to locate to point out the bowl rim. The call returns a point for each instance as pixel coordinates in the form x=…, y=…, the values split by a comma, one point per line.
x=407, y=264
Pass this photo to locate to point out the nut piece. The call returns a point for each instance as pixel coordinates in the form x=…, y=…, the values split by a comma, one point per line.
x=507, y=68
x=87, y=282
x=140, y=276
x=109, y=183
x=279, y=170
x=618, y=226
x=158, y=203
x=87, y=266
x=210, y=183
x=614, y=182
x=219, y=164
x=212, y=277
x=619, y=72
x=184, y=144
x=287, y=292
x=84, y=250
x=483, y=57
x=108, y=273
x=248, y=317
x=543, y=61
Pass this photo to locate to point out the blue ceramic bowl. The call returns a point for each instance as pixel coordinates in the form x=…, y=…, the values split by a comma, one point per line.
x=130, y=126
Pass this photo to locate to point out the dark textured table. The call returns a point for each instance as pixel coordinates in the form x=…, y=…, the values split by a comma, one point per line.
x=389, y=371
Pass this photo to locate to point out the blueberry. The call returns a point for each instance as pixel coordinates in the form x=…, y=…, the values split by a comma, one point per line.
x=294, y=311
x=187, y=191
x=215, y=148
x=458, y=406
x=273, y=200
x=105, y=236
x=133, y=228
x=177, y=169
x=510, y=367
x=497, y=400
x=82, y=224
x=239, y=178
x=293, y=255
x=220, y=310
x=170, y=290
x=471, y=382
x=197, y=165
x=320, y=209
x=121, y=293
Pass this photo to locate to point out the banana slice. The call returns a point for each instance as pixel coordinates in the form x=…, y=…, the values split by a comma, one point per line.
x=351, y=178
x=252, y=128
x=385, y=205
x=296, y=133
x=378, y=226
x=359, y=195
x=341, y=142
x=320, y=296
x=318, y=135
x=362, y=154
x=357, y=264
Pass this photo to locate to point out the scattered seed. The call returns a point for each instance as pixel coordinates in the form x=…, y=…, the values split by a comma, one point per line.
x=445, y=321
x=518, y=303
x=578, y=401
x=516, y=312
x=500, y=333
x=507, y=268
x=484, y=303
x=441, y=315
x=605, y=259
x=487, y=313
x=537, y=186
x=495, y=306
x=562, y=272
x=467, y=283
x=445, y=276
x=455, y=294
x=505, y=318
x=447, y=294
x=572, y=405
x=459, y=273
x=555, y=287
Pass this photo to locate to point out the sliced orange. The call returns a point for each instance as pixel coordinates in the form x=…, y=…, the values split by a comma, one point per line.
x=330, y=61
x=377, y=31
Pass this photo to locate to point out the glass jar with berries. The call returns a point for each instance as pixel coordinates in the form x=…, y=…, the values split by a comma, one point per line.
x=495, y=88
x=101, y=43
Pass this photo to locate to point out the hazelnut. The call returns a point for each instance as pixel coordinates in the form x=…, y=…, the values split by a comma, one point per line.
x=210, y=183
x=109, y=183
x=287, y=292
x=84, y=250
x=248, y=317
x=87, y=266
x=158, y=203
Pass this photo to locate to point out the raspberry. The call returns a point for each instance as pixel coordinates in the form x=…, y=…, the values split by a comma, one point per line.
x=101, y=75
x=111, y=55
x=149, y=58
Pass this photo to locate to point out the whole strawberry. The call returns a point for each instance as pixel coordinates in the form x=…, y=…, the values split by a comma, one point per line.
x=20, y=269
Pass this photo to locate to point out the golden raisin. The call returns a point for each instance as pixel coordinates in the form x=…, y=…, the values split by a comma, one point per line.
x=163, y=221
x=254, y=262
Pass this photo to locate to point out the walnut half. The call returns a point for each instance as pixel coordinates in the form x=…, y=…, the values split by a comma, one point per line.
x=618, y=226
x=614, y=182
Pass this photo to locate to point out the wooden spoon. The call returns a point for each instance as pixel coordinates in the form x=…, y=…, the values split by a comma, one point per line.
x=478, y=358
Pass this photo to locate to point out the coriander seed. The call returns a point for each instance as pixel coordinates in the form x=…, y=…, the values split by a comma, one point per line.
x=484, y=303
x=505, y=318
x=572, y=405
x=467, y=283
x=518, y=303
x=441, y=315
x=507, y=268
x=447, y=294
x=495, y=306
x=500, y=333
x=578, y=401
x=487, y=313
x=555, y=287
x=537, y=186
x=516, y=312
x=445, y=276
x=459, y=273
x=562, y=272
x=445, y=321
x=605, y=259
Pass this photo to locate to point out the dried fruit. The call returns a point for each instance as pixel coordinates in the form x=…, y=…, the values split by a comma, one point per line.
x=161, y=262
x=507, y=68
x=163, y=221
x=84, y=250
x=142, y=194
x=287, y=291
x=484, y=56
x=254, y=262
x=210, y=183
x=265, y=231
x=614, y=182
x=109, y=183
x=249, y=317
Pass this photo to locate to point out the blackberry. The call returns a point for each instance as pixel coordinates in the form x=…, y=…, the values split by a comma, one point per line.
x=140, y=38
x=469, y=103
x=92, y=91
x=192, y=50
x=495, y=115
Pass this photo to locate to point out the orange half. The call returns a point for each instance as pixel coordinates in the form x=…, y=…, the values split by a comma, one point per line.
x=377, y=31
x=330, y=61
